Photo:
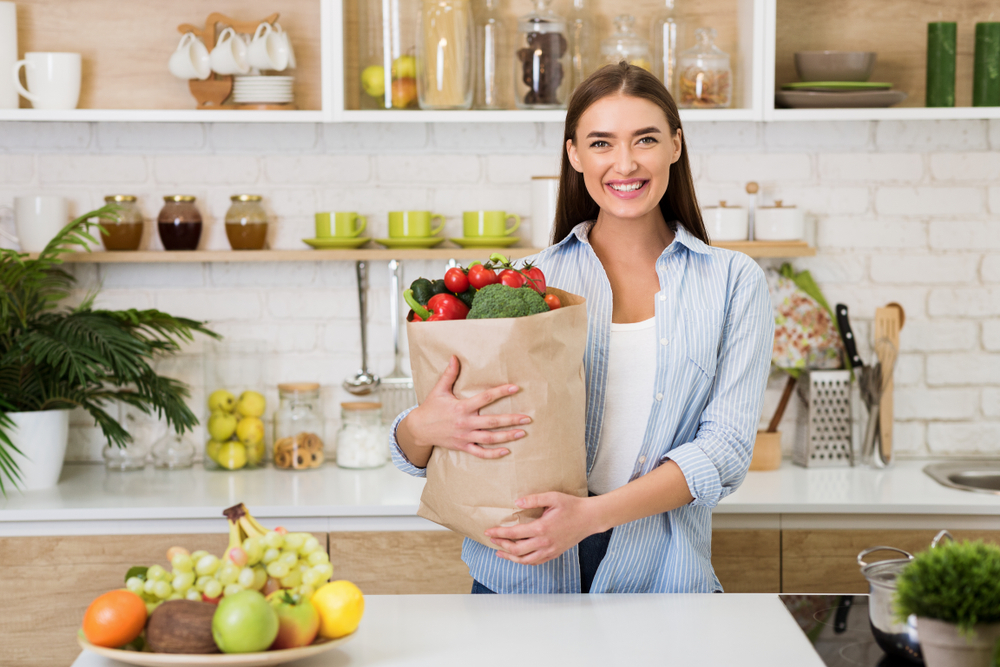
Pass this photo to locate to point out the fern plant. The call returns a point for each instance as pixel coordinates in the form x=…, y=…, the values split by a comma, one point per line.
x=56, y=357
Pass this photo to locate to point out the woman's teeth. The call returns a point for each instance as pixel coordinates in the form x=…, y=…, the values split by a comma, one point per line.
x=627, y=187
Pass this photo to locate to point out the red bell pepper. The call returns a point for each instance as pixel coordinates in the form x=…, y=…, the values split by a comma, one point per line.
x=446, y=307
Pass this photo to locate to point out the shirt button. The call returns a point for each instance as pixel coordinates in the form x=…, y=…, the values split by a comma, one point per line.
x=663, y=297
x=663, y=341
x=659, y=397
x=642, y=459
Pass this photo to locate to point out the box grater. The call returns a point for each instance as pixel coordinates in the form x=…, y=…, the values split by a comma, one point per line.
x=396, y=390
x=823, y=433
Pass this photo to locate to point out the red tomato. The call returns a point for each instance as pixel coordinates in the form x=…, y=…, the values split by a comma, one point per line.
x=480, y=276
x=535, y=279
x=455, y=280
x=553, y=301
x=511, y=278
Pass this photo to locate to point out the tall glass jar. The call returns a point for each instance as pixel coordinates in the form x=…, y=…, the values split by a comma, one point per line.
x=625, y=45
x=705, y=77
x=666, y=30
x=246, y=223
x=298, y=427
x=388, y=77
x=580, y=34
x=363, y=442
x=125, y=231
x=179, y=223
x=492, y=89
x=444, y=54
x=541, y=65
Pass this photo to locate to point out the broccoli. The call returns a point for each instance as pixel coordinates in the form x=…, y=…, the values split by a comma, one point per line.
x=495, y=301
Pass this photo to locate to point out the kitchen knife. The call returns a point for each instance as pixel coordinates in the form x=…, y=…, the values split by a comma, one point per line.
x=846, y=335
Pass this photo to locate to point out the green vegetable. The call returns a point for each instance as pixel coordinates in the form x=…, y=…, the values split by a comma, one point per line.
x=416, y=307
x=422, y=291
x=467, y=296
x=496, y=301
x=955, y=582
x=438, y=287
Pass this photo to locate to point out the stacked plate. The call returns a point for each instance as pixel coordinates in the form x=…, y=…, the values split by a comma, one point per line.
x=262, y=90
x=836, y=79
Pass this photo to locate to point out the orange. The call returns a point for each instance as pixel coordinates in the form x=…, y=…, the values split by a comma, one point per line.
x=114, y=619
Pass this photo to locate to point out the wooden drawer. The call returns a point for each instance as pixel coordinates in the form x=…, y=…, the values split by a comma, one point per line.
x=747, y=561
x=403, y=562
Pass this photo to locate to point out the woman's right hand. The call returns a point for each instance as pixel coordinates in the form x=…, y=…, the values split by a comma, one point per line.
x=443, y=420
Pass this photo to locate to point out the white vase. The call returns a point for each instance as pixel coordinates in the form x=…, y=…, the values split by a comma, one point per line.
x=943, y=645
x=41, y=437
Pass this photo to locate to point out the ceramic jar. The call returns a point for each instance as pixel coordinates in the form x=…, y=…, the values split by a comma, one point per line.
x=778, y=223
x=726, y=223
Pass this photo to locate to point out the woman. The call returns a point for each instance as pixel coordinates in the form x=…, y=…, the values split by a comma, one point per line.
x=679, y=347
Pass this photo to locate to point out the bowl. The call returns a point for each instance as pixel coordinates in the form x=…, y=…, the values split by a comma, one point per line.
x=834, y=65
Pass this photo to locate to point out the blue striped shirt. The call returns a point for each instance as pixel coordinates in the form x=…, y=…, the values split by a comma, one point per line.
x=715, y=329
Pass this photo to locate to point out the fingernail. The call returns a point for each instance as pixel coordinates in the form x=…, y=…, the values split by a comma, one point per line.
x=512, y=389
x=504, y=452
x=519, y=503
x=519, y=434
x=526, y=420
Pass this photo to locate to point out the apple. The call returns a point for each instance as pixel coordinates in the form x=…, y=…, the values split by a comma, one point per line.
x=298, y=620
x=404, y=67
x=404, y=93
x=373, y=80
x=244, y=623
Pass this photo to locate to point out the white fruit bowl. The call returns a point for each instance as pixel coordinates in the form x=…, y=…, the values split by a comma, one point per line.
x=261, y=659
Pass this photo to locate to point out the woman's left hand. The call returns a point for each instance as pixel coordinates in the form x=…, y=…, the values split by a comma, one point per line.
x=567, y=520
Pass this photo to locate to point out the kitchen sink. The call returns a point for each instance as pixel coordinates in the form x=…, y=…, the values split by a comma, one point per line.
x=981, y=476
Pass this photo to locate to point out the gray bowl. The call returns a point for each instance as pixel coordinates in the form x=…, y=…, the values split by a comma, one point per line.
x=834, y=65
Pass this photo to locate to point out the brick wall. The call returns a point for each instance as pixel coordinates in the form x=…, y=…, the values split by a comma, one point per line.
x=900, y=211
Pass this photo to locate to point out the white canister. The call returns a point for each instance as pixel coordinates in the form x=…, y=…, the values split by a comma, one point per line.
x=38, y=218
x=778, y=223
x=544, y=193
x=726, y=223
x=8, y=54
x=41, y=438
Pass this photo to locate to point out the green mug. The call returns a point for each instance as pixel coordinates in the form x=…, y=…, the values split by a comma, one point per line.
x=488, y=223
x=343, y=225
x=413, y=224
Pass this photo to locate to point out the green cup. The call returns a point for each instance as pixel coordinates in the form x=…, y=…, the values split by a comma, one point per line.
x=413, y=224
x=488, y=223
x=344, y=225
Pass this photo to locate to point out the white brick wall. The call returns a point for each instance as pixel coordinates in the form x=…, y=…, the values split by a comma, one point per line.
x=904, y=211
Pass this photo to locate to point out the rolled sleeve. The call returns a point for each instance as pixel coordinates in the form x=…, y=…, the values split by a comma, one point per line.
x=398, y=457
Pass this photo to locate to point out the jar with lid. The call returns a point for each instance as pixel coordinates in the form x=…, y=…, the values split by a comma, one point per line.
x=246, y=223
x=124, y=230
x=666, y=30
x=625, y=45
x=298, y=427
x=492, y=88
x=445, y=66
x=174, y=451
x=705, y=77
x=133, y=455
x=179, y=223
x=541, y=63
x=363, y=441
x=580, y=35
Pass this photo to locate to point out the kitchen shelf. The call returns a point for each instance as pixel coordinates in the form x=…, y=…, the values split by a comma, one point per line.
x=164, y=115
x=520, y=116
x=891, y=113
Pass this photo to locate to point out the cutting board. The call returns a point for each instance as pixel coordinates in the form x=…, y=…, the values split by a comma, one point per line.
x=888, y=321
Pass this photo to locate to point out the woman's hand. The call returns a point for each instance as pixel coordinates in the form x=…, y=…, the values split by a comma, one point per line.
x=566, y=521
x=443, y=420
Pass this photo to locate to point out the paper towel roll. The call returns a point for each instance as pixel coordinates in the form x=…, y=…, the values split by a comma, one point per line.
x=8, y=54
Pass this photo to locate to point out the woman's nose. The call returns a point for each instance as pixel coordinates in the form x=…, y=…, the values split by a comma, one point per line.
x=624, y=162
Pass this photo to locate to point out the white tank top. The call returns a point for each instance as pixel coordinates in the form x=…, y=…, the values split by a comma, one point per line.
x=628, y=399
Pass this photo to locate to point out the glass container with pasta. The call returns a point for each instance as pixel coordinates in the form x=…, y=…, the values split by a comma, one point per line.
x=445, y=63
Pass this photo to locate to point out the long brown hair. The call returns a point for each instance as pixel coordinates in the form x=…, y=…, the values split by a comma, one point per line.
x=574, y=204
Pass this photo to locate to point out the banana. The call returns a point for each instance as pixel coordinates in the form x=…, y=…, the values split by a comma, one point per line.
x=249, y=528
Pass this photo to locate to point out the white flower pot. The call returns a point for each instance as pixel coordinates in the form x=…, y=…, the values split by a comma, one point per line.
x=943, y=645
x=41, y=436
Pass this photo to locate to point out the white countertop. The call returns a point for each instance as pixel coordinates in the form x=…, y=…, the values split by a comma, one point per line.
x=576, y=630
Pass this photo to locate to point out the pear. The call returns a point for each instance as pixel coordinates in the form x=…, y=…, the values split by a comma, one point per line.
x=221, y=425
x=221, y=400
x=251, y=404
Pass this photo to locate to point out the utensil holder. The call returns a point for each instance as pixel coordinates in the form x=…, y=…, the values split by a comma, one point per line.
x=823, y=433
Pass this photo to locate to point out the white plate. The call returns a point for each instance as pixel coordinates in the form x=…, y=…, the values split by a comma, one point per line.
x=262, y=659
x=264, y=78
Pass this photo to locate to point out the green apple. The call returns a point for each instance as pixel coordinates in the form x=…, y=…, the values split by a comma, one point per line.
x=221, y=400
x=244, y=623
x=251, y=404
x=298, y=620
x=404, y=67
x=373, y=80
x=221, y=425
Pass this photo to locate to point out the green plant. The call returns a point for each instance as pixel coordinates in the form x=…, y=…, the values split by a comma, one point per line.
x=57, y=357
x=956, y=582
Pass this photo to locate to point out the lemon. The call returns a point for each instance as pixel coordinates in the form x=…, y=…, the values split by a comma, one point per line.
x=232, y=456
x=373, y=80
x=340, y=605
x=251, y=404
x=221, y=400
x=212, y=448
x=250, y=431
x=221, y=425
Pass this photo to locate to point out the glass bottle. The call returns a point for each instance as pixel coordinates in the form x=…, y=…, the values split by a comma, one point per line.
x=388, y=78
x=666, y=31
x=298, y=427
x=542, y=65
x=125, y=231
x=580, y=34
x=179, y=223
x=625, y=45
x=705, y=77
x=133, y=455
x=491, y=49
x=246, y=223
x=444, y=54
x=363, y=441
x=174, y=451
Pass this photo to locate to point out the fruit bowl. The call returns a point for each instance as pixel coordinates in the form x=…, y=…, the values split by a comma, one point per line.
x=260, y=659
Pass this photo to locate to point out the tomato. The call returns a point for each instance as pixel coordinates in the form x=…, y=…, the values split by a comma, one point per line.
x=535, y=279
x=480, y=276
x=553, y=301
x=455, y=280
x=511, y=278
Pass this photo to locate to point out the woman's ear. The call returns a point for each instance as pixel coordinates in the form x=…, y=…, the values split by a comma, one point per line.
x=678, y=146
x=574, y=159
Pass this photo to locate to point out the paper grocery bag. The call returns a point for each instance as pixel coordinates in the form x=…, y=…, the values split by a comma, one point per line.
x=543, y=355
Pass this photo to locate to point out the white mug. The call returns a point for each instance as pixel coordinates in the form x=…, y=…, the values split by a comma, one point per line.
x=191, y=60
x=230, y=54
x=288, y=45
x=53, y=79
x=269, y=49
x=37, y=220
x=726, y=223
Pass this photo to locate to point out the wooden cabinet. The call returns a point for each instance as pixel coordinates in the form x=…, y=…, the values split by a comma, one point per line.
x=747, y=561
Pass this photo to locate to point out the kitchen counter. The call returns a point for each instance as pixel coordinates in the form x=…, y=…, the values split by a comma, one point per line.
x=578, y=630
x=90, y=500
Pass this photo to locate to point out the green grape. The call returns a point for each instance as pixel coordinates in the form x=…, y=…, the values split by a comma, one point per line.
x=312, y=578
x=182, y=563
x=318, y=557
x=270, y=556
x=273, y=540
x=151, y=607
x=325, y=570
x=232, y=589
x=246, y=577
x=183, y=581
x=207, y=564
x=227, y=574
x=147, y=586
x=192, y=595
x=213, y=589
x=311, y=545
x=198, y=555
x=175, y=596
x=303, y=566
x=289, y=558
x=155, y=572
x=277, y=570
x=294, y=541
x=306, y=591
x=255, y=550
x=292, y=579
x=162, y=590
x=202, y=580
x=134, y=584
x=259, y=578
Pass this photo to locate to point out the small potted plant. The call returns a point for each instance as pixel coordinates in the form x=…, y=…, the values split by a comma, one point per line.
x=954, y=591
x=54, y=357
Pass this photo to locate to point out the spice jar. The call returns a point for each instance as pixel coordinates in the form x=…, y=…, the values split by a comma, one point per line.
x=246, y=223
x=445, y=63
x=362, y=441
x=124, y=231
x=179, y=223
x=705, y=75
x=541, y=66
x=625, y=45
x=298, y=427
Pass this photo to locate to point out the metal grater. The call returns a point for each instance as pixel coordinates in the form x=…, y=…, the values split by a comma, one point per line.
x=396, y=390
x=823, y=433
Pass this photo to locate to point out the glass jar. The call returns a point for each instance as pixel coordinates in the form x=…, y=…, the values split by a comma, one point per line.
x=666, y=30
x=388, y=65
x=174, y=451
x=179, y=223
x=580, y=35
x=541, y=65
x=298, y=427
x=624, y=44
x=705, y=77
x=492, y=89
x=246, y=223
x=133, y=455
x=363, y=442
x=236, y=374
x=124, y=232
x=444, y=54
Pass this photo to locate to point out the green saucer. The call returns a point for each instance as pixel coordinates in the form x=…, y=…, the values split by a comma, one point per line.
x=335, y=242
x=486, y=241
x=404, y=242
x=836, y=85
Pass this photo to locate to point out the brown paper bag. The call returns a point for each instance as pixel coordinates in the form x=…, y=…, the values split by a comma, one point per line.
x=543, y=355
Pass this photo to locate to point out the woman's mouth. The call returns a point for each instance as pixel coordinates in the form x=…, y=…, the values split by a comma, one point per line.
x=629, y=189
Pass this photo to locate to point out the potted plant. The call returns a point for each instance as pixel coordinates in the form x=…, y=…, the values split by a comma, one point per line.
x=54, y=357
x=954, y=591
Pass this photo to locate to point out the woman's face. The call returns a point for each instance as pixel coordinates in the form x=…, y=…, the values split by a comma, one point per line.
x=624, y=150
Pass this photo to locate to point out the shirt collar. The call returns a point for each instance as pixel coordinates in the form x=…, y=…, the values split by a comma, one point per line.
x=682, y=236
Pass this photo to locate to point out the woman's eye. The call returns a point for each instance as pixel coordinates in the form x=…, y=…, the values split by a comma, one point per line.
x=648, y=140
x=599, y=144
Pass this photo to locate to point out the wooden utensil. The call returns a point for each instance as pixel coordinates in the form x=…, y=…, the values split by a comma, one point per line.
x=888, y=321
